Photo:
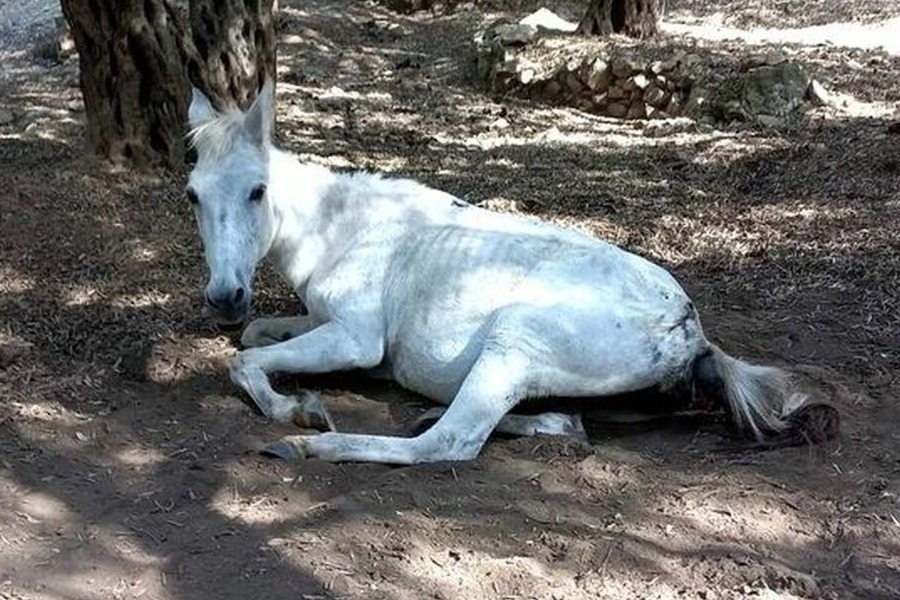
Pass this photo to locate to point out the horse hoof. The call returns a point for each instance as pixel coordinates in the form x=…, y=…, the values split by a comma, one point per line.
x=284, y=449
x=312, y=414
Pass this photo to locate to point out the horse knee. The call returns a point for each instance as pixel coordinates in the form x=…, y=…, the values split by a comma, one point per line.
x=241, y=366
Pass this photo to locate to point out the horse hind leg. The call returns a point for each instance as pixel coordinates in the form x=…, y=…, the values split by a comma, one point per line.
x=548, y=423
x=496, y=383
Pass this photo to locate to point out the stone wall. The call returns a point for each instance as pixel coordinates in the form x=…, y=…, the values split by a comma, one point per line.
x=639, y=81
x=617, y=83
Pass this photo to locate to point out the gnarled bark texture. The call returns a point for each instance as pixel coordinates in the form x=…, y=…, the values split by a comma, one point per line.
x=138, y=57
x=132, y=57
x=235, y=40
x=634, y=18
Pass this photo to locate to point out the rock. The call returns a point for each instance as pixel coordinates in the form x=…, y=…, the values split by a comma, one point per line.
x=658, y=67
x=547, y=19
x=526, y=75
x=573, y=84
x=615, y=92
x=769, y=121
x=616, y=110
x=503, y=74
x=623, y=66
x=691, y=61
x=6, y=116
x=600, y=100
x=770, y=58
x=408, y=6
x=776, y=90
x=730, y=110
x=598, y=75
x=637, y=110
x=552, y=89
x=697, y=101
x=674, y=108
x=640, y=81
x=818, y=95
x=655, y=96
x=500, y=123
x=515, y=34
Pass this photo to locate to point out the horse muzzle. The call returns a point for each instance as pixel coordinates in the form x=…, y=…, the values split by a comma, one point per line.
x=228, y=306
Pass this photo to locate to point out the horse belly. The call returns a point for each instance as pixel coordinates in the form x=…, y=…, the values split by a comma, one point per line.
x=431, y=354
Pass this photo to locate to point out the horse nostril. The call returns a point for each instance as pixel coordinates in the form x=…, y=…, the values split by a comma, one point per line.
x=239, y=295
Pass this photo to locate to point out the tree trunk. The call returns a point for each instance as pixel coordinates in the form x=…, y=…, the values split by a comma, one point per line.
x=132, y=55
x=634, y=18
x=235, y=40
x=138, y=56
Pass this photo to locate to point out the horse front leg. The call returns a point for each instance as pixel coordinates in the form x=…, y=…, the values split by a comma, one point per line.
x=495, y=384
x=265, y=332
x=328, y=347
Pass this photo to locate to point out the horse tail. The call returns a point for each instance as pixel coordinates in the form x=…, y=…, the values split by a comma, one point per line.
x=759, y=399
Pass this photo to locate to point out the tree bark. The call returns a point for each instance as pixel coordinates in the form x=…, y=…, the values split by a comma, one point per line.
x=235, y=41
x=634, y=18
x=137, y=58
x=132, y=57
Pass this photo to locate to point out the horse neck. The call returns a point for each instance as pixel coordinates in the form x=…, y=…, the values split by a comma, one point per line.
x=303, y=228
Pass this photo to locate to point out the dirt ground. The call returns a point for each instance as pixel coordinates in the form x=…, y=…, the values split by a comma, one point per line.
x=128, y=463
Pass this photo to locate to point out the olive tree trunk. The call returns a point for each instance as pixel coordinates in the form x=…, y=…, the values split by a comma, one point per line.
x=634, y=18
x=132, y=57
x=137, y=58
x=235, y=41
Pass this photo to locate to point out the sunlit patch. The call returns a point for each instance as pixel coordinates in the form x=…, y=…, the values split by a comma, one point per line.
x=13, y=282
x=847, y=34
x=82, y=295
x=38, y=506
x=253, y=498
x=258, y=509
x=724, y=150
x=46, y=412
x=142, y=300
x=125, y=568
x=140, y=456
x=178, y=357
x=143, y=254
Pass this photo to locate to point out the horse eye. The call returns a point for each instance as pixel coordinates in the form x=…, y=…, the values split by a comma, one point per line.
x=192, y=196
x=257, y=193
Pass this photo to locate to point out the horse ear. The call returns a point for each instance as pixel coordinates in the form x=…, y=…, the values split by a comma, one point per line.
x=201, y=109
x=259, y=118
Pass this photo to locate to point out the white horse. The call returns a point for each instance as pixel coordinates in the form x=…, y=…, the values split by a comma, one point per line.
x=473, y=309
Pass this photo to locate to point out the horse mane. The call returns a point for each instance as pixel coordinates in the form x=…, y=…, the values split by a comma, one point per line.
x=215, y=137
